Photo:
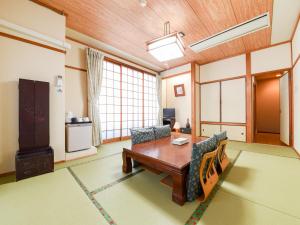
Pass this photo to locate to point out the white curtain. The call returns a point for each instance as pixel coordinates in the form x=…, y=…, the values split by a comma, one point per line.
x=159, y=100
x=94, y=81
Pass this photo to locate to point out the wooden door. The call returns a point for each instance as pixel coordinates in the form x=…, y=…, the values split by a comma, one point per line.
x=284, y=109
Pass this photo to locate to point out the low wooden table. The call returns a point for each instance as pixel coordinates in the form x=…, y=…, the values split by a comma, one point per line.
x=163, y=156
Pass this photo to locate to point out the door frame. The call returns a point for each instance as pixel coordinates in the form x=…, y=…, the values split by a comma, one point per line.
x=291, y=118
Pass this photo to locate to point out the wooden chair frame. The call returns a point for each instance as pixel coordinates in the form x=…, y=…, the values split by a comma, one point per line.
x=221, y=155
x=211, y=174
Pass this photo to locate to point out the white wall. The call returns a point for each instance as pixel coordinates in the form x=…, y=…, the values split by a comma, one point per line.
x=296, y=44
x=231, y=67
x=268, y=59
x=76, y=92
x=134, y=61
x=176, y=70
x=296, y=75
x=22, y=60
x=30, y=15
x=296, y=88
x=76, y=55
x=284, y=16
x=181, y=104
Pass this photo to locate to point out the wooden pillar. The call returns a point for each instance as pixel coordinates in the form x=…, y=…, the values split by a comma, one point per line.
x=249, y=125
x=291, y=104
x=193, y=98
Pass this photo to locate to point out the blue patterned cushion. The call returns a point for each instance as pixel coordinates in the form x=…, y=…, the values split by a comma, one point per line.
x=140, y=135
x=221, y=136
x=162, y=131
x=194, y=188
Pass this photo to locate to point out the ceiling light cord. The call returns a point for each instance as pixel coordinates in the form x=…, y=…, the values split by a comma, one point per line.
x=167, y=29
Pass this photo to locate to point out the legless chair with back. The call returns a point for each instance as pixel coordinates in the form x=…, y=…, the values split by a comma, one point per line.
x=222, y=158
x=208, y=174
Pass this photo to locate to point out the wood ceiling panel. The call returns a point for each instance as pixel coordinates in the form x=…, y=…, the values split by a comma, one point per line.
x=247, y=9
x=218, y=15
x=127, y=26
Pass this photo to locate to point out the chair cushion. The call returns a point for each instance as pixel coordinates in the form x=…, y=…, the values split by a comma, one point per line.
x=221, y=136
x=140, y=135
x=194, y=188
x=162, y=131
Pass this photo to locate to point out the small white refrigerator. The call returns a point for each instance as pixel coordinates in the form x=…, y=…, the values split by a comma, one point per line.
x=78, y=136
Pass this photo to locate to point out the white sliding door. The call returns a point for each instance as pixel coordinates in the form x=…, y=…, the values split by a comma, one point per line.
x=233, y=101
x=284, y=109
x=210, y=102
x=208, y=130
x=236, y=133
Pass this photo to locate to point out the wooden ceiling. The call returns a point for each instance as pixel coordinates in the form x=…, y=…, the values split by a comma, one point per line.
x=127, y=26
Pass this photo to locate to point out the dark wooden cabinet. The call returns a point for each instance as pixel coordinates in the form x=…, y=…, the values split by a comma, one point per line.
x=26, y=114
x=35, y=156
x=41, y=114
x=34, y=162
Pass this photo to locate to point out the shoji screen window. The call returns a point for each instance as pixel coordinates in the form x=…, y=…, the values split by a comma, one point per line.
x=150, y=101
x=110, y=101
x=132, y=100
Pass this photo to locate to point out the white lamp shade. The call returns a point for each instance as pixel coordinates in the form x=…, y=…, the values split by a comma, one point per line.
x=166, y=48
x=177, y=125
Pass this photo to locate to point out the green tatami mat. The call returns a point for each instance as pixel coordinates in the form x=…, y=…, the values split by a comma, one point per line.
x=268, y=180
x=104, y=151
x=98, y=173
x=277, y=150
x=227, y=209
x=143, y=200
x=50, y=199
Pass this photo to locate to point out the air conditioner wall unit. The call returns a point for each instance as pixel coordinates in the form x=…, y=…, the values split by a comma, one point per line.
x=242, y=29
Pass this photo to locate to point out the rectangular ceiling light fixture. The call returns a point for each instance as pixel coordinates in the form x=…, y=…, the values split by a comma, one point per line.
x=242, y=29
x=166, y=48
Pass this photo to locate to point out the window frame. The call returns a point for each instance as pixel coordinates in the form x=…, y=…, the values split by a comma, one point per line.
x=143, y=73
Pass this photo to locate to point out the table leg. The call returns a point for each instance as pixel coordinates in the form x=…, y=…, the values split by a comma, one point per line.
x=179, y=188
x=127, y=165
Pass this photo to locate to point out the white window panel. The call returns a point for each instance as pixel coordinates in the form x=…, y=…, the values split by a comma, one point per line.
x=110, y=125
x=110, y=134
x=103, y=126
x=117, y=117
x=109, y=83
x=110, y=66
x=103, y=117
x=109, y=99
x=134, y=83
x=124, y=132
x=117, y=133
x=117, y=68
x=109, y=74
x=110, y=108
x=117, y=125
x=110, y=92
x=109, y=117
x=117, y=101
